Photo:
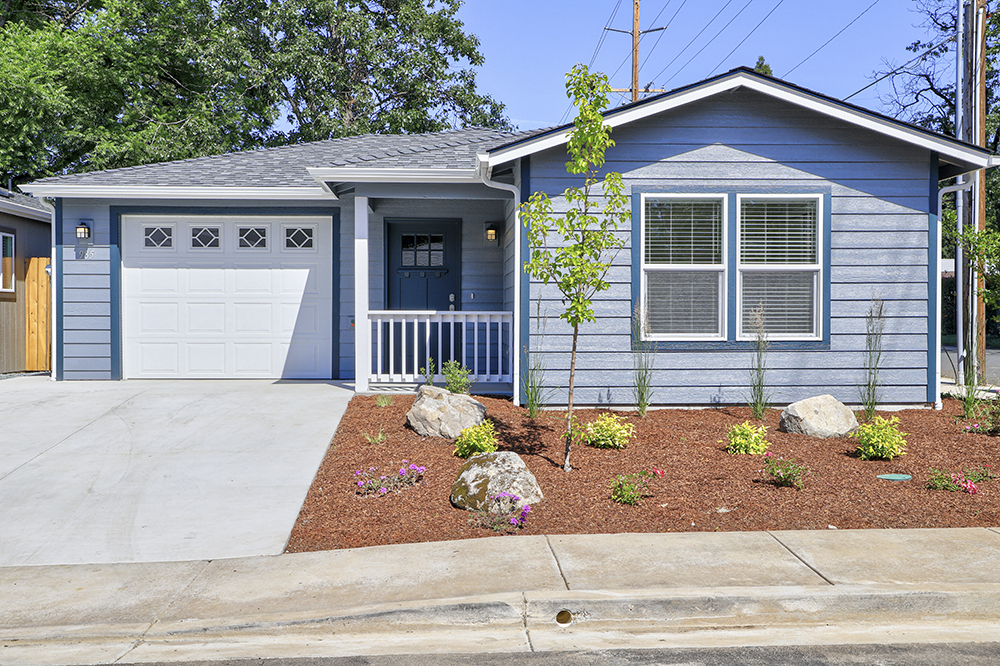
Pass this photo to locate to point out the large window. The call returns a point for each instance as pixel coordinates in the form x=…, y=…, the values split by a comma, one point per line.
x=6, y=262
x=684, y=267
x=779, y=266
x=688, y=273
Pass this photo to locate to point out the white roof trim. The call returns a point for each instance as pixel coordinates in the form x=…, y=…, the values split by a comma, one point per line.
x=171, y=192
x=24, y=211
x=942, y=146
x=388, y=175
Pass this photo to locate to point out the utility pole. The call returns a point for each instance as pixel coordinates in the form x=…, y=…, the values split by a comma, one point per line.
x=636, y=34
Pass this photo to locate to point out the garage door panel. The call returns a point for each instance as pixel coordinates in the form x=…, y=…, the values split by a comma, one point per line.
x=206, y=279
x=159, y=281
x=158, y=318
x=254, y=279
x=206, y=359
x=206, y=318
x=228, y=311
x=163, y=358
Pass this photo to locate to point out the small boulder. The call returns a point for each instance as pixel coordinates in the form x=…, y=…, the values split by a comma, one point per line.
x=438, y=412
x=821, y=416
x=486, y=475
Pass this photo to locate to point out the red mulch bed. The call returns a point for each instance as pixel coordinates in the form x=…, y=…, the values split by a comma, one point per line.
x=701, y=480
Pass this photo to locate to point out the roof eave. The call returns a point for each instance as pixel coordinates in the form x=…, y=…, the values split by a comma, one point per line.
x=945, y=147
x=25, y=211
x=175, y=192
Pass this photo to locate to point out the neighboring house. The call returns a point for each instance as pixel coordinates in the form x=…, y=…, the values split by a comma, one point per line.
x=25, y=247
x=747, y=191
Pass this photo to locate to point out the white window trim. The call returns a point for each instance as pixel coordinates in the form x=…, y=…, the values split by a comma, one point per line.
x=816, y=269
x=722, y=269
x=285, y=226
x=268, y=237
x=146, y=223
x=13, y=261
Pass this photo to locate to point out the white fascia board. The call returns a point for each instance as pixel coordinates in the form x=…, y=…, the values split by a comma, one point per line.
x=376, y=175
x=942, y=146
x=25, y=211
x=169, y=192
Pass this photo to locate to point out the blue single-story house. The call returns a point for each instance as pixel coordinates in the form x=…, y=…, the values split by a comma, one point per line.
x=747, y=192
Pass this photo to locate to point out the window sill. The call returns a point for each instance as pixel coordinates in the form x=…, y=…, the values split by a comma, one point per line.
x=741, y=345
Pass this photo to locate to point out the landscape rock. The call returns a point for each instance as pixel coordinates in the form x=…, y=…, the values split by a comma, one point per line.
x=820, y=416
x=438, y=412
x=486, y=475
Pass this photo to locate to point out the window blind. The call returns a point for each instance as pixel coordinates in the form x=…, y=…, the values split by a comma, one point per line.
x=682, y=231
x=787, y=298
x=683, y=302
x=778, y=231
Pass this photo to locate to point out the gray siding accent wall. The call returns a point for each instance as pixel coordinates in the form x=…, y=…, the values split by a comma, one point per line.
x=744, y=142
x=87, y=321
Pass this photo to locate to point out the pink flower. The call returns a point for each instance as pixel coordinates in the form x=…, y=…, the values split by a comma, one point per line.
x=657, y=471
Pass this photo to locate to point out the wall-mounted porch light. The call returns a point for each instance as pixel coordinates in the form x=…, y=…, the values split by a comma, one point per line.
x=491, y=233
x=82, y=229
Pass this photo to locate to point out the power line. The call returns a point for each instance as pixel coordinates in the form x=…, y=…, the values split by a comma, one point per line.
x=729, y=2
x=604, y=33
x=901, y=67
x=660, y=36
x=600, y=43
x=735, y=16
x=780, y=2
x=856, y=18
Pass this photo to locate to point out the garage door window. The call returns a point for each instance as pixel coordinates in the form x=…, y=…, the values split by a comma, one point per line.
x=298, y=238
x=162, y=237
x=205, y=237
x=253, y=238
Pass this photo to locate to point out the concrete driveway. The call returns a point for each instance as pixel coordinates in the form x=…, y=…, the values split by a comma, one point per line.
x=145, y=471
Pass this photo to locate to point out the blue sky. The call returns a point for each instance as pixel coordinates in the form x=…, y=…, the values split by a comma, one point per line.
x=529, y=45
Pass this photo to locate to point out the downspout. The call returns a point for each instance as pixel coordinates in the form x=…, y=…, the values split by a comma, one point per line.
x=485, y=171
x=958, y=304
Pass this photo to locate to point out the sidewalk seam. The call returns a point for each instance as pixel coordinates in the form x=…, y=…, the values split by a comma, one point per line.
x=524, y=619
x=556, y=558
x=796, y=556
x=142, y=637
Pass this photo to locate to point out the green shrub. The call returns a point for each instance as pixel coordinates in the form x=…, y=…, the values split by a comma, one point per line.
x=787, y=473
x=745, y=438
x=456, y=377
x=880, y=439
x=476, y=439
x=630, y=488
x=383, y=400
x=609, y=431
x=428, y=372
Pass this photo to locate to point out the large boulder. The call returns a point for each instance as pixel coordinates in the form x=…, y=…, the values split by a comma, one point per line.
x=438, y=412
x=821, y=416
x=486, y=475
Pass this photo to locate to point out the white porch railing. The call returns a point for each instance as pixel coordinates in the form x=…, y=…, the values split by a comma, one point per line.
x=404, y=340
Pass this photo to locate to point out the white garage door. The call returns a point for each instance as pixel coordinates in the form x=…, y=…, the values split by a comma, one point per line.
x=208, y=297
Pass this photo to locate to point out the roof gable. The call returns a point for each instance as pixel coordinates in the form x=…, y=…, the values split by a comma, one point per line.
x=963, y=156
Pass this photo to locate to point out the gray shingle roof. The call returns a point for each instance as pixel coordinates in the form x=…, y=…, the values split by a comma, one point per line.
x=285, y=166
x=24, y=200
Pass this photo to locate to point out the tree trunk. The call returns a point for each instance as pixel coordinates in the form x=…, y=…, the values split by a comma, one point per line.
x=569, y=406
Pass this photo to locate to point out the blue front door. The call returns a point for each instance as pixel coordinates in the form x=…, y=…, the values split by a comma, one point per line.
x=423, y=266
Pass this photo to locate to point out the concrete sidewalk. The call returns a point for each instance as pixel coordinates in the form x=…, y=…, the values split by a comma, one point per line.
x=506, y=594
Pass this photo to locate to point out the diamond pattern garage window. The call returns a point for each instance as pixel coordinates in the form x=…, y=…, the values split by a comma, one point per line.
x=206, y=237
x=161, y=237
x=253, y=237
x=299, y=238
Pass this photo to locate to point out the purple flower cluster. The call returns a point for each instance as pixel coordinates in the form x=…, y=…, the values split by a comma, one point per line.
x=370, y=483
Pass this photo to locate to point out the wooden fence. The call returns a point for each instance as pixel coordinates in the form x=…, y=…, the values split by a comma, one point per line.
x=38, y=341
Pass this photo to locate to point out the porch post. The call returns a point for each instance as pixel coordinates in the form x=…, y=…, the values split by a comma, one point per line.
x=362, y=329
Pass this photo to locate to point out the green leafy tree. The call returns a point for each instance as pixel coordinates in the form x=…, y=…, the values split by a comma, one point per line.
x=575, y=250
x=113, y=83
x=762, y=67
